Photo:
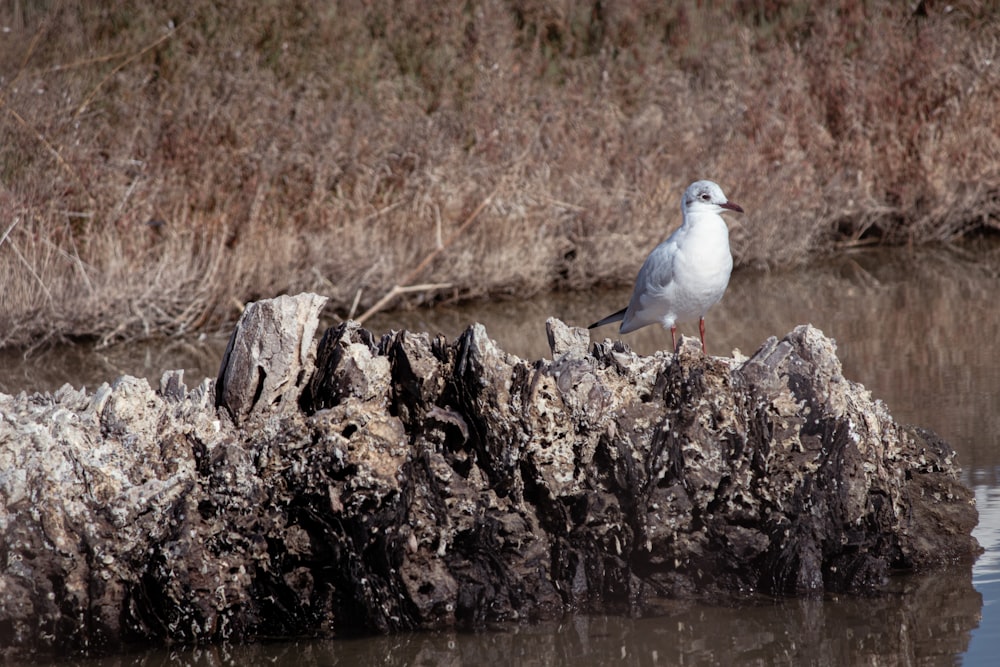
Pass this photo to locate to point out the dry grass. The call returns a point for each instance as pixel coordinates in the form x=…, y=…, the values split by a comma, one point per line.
x=280, y=148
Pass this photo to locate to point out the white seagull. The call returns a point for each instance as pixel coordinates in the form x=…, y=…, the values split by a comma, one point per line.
x=688, y=273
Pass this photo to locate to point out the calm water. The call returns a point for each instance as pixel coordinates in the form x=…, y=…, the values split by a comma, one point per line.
x=919, y=329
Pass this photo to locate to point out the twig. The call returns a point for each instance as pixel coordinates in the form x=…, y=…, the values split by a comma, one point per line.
x=403, y=287
x=381, y=211
x=84, y=62
x=9, y=229
x=354, y=305
x=437, y=226
x=451, y=238
x=565, y=204
x=31, y=50
x=396, y=291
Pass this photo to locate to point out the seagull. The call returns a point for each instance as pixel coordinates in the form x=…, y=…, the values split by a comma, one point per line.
x=688, y=273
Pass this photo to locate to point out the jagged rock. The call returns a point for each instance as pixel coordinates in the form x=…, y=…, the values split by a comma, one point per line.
x=269, y=355
x=412, y=482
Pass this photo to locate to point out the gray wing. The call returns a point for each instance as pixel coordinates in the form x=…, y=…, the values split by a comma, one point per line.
x=656, y=274
x=654, y=277
x=658, y=270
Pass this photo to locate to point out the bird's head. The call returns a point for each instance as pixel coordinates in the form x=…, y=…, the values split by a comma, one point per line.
x=706, y=196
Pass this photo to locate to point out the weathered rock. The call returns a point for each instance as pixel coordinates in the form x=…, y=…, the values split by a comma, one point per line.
x=269, y=356
x=415, y=483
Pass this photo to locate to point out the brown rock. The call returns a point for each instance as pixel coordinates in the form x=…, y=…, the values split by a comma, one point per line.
x=415, y=483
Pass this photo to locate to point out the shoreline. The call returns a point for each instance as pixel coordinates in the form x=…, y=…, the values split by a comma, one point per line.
x=174, y=169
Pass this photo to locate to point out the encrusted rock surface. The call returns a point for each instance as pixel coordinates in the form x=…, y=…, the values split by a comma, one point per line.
x=413, y=482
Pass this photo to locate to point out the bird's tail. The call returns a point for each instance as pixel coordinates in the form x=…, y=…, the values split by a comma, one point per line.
x=614, y=317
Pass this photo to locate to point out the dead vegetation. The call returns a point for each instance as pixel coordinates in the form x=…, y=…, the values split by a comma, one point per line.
x=161, y=165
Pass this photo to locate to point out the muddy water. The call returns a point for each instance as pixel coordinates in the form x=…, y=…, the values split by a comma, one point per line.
x=920, y=329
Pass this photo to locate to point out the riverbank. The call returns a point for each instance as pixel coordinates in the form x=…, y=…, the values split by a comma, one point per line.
x=163, y=166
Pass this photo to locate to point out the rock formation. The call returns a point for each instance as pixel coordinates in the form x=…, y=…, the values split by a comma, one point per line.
x=362, y=485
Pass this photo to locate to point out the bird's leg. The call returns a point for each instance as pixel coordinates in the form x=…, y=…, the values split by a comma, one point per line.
x=673, y=338
x=701, y=330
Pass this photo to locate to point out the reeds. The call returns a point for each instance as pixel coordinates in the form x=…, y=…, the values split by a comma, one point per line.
x=162, y=165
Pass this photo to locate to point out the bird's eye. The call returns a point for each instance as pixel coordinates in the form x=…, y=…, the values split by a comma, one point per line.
x=704, y=196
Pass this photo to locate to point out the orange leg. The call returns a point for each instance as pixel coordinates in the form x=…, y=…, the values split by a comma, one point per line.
x=673, y=337
x=701, y=330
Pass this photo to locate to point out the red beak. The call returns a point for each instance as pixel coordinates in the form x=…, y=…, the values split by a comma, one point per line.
x=732, y=207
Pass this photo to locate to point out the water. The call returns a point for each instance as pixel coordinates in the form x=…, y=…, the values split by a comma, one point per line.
x=918, y=328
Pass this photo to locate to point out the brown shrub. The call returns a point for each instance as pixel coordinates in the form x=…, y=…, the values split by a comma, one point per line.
x=282, y=147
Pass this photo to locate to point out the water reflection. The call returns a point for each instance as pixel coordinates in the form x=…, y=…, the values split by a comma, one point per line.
x=986, y=578
x=924, y=620
x=47, y=369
